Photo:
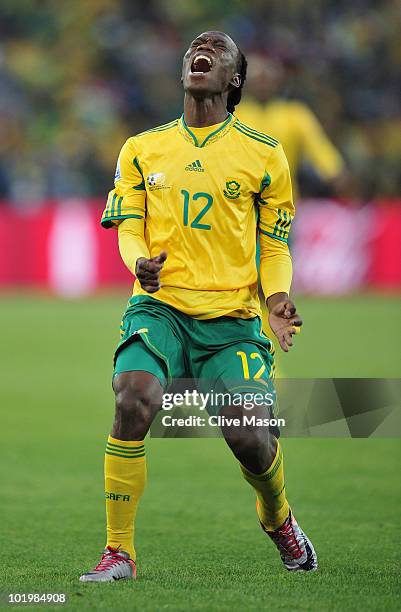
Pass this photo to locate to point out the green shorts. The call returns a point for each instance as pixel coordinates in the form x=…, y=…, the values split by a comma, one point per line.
x=226, y=352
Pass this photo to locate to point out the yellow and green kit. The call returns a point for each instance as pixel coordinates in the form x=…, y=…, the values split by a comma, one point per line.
x=202, y=195
x=227, y=351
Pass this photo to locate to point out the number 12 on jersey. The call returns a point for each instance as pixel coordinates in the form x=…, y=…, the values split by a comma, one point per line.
x=195, y=223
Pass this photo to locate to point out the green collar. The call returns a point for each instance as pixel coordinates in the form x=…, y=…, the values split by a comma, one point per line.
x=221, y=131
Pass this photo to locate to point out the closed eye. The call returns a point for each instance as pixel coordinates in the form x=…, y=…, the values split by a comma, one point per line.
x=217, y=44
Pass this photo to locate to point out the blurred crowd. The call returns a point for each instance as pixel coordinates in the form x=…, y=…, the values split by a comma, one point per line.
x=78, y=77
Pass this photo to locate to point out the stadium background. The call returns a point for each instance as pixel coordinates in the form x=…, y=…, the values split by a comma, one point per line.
x=76, y=79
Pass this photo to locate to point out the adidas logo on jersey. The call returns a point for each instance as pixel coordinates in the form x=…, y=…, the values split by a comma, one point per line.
x=196, y=166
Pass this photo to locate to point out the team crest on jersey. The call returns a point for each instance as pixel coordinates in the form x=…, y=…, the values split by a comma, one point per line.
x=157, y=180
x=233, y=188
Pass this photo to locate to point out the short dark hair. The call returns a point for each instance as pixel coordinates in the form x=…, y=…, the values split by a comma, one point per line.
x=234, y=97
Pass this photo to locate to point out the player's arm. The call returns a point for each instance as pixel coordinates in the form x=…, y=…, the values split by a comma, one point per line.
x=276, y=211
x=126, y=211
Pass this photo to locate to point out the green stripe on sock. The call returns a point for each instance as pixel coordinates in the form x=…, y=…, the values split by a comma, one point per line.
x=124, y=452
x=264, y=477
x=270, y=475
x=132, y=453
x=141, y=447
x=129, y=453
x=125, y=456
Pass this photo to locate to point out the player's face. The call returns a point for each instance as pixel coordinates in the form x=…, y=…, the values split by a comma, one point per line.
x=265, y=77
x=210, y=65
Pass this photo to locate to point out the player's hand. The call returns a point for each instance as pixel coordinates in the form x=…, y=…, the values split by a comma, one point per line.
x=148, y=271
x=283, y=319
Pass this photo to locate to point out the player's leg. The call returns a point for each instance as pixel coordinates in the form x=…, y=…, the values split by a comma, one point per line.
x=255, y=446
x=149, y=352
x=245, y=367
x=261, y=462
x=138, y=384
x=138, y=397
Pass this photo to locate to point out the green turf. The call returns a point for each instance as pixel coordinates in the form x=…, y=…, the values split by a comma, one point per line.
x=198, y=542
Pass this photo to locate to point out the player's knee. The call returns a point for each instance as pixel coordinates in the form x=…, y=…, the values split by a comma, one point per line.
x=135, y=402
x=247, y=443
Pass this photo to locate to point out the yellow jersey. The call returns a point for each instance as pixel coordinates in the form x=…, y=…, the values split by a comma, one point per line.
x=201, y=194
x=298, y=130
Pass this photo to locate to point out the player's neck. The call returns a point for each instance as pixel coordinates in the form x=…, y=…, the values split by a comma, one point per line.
x=204, y=112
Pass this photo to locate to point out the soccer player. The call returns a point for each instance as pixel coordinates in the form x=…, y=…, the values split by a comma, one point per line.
x=292, y=122
x=184, y=203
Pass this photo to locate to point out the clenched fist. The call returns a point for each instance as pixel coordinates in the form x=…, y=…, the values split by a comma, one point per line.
x=148, y=271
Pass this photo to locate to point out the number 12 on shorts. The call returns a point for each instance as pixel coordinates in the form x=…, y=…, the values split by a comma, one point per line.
x=245, y=365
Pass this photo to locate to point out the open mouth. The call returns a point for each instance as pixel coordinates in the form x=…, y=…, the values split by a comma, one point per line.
x=201, y=64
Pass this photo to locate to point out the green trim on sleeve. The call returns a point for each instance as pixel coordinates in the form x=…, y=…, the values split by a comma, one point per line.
x=113, y=201
x=280, y=238
x=265, y=182
x=283, y=223
x=120, y=200
x=107, y=222
x=137, y=166
x=141, y=186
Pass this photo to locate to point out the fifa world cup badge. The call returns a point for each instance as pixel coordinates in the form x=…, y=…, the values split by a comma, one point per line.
x=157, y=180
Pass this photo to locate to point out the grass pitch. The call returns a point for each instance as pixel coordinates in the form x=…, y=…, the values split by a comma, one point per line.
x=199, y=546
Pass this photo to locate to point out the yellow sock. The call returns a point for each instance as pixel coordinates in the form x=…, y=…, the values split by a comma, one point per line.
x=125, y=478
x=272, y=505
